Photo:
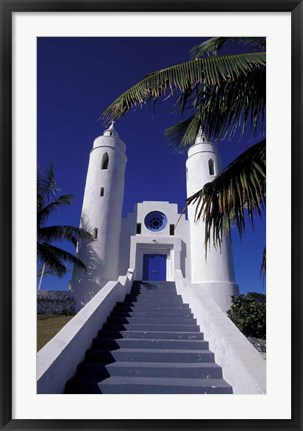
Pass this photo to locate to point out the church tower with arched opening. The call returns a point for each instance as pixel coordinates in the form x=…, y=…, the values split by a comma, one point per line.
x=212, y=270
x=101, y=216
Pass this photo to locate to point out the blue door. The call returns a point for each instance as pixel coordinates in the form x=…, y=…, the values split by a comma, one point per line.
x=154, y=267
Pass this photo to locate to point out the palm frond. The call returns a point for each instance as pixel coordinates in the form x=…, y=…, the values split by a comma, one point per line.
x=240, y=189
x=213, y=45
x=45, y=211
x=224, y=110
x=59, y=233
x=235, y=105
x=185, y=78
x=55, y=257
x=183, y=134
x=46, y=185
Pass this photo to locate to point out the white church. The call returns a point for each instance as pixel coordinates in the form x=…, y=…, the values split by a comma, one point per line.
x=151, y=309
x=154, y=240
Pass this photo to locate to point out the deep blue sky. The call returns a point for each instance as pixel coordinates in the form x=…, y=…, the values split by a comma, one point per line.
x=77, y=79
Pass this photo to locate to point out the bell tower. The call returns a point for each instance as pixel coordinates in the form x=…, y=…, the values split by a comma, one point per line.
x=216, y=271
x=101, y=216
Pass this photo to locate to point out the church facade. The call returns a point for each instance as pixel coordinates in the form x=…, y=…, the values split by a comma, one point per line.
x=154, y=240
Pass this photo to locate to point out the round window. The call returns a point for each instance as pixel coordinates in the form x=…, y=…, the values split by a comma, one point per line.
x=155, y=221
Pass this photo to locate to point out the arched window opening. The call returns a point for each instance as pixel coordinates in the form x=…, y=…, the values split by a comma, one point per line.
x=211, y=167
x=105, y=160
x=95, y=233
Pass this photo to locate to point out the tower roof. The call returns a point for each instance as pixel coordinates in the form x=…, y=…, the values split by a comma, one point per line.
x=202, y=144
x=111, y=131
x=201, y=137
x=109, y=138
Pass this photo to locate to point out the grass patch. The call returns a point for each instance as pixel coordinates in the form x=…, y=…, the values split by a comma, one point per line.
x=48, y=325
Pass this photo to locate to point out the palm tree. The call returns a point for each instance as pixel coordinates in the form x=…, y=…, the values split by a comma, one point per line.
x=52, y=258
x=237, y=189
x=225, y=95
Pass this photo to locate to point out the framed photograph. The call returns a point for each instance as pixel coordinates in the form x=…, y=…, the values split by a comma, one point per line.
x=70, y=73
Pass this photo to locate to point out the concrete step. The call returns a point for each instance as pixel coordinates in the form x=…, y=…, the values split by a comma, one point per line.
x=154, y=299
x=135, y=306
x=139, y=343
x=152, y=306
x=158, y=385
x=154, y=289
x=163, y=335
x=156, y=294
x=176, y=302
x=149, y=355
x=153, y=296
x=151, y=320
x=150, y=309
x=150, y=313
x=150, y=327
x=206, y=370
x=154, y=284
x=155, y=304
x=82, y=385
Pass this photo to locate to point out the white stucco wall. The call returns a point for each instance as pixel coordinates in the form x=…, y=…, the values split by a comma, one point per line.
x=104, y=213
x=176, y=247
x=214, y=269
x=57, y=361
x=242, y=365
x=128, y=228
x=220, y=293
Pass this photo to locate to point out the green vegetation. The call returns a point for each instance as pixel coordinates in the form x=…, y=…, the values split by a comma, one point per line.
x=224, y=95
x=237, y=190
x=48, y=326
x=248, y=313
x=52, y=259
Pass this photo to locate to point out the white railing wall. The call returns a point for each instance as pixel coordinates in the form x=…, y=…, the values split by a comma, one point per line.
x=243, y=366
x=57, y=361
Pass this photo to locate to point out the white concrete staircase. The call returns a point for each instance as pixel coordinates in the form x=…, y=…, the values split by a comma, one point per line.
x=150, y=344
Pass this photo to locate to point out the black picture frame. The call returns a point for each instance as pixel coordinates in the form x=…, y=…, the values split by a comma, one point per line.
x=8, y=7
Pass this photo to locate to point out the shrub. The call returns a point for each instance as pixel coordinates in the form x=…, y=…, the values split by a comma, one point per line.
x=248, y=313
